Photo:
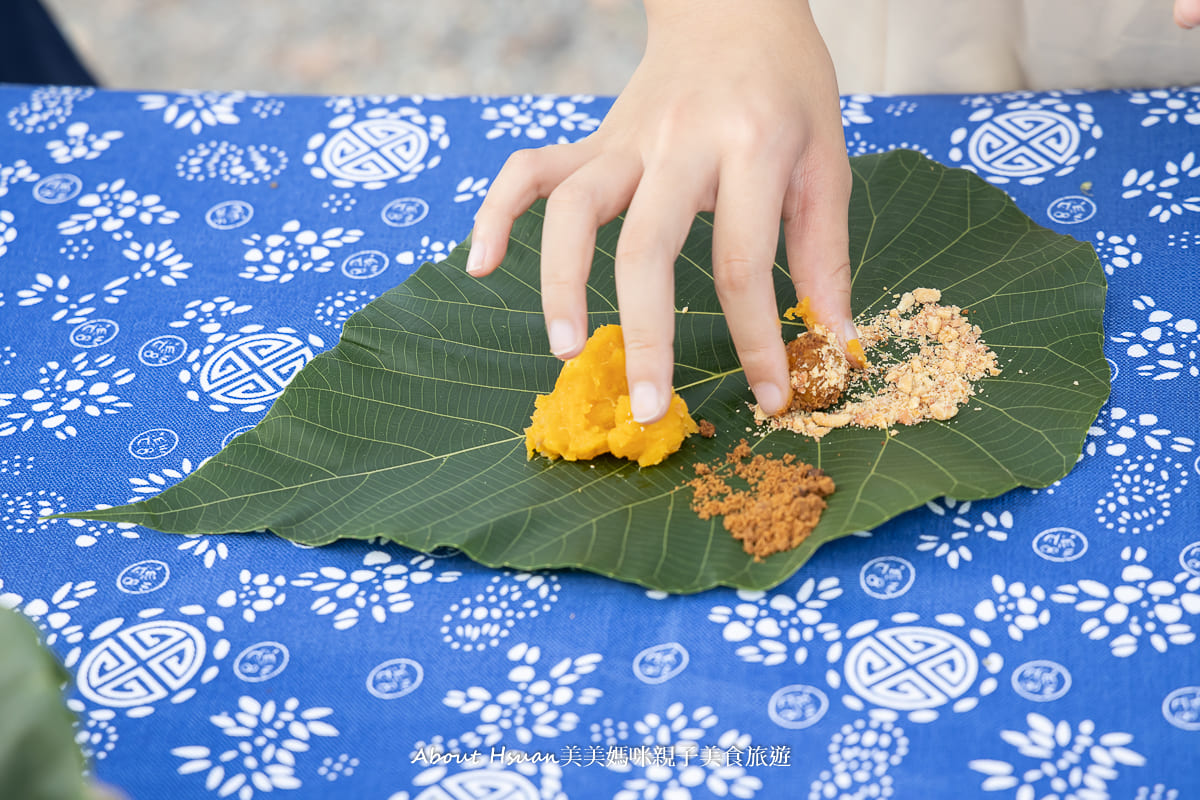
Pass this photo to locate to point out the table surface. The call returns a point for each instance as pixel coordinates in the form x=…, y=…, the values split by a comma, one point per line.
x=1040, y=644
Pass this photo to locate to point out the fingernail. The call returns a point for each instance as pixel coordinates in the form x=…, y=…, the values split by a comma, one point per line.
x=770, y=397
x=564, y=339
x=475, y=258
x=645, y=403
x=848, y=333
x=853, y=346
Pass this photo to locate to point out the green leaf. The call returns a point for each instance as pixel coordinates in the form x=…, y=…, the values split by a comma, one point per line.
x=411, y=429
x=39, y=759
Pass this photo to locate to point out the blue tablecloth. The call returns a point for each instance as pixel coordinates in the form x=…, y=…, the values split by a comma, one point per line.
x=169, y=259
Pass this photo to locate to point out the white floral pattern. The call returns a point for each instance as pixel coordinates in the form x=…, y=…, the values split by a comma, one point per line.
x=861, y=756
x=159, y=260
x=155, y=482
x=854, y=110
x=536, y=117
x=72, y=249
x=483, y=619
x=88, y=532
x=378, y=588
x=1073, y=761
x=1117, y=251
x=256, y=594
x=470, y=188
x=54, y=290
x=278, y=257
x=1021, y=608
x=111, y=205
x=53, y=616
x=96, y=734
x=81, y=144
x=782, y=625
x=1171, y=191
x=1138, y=606
x=675, y=754
x=1116, y=430
x=23, y=513
x=952, y=544
x=232, y=163
x=267, y=740
x=335, y=309
x=20, y=171
x=1167, y=346
x=8, y=231
x=194, y=110
x=1144, y=487
x=47, y=108
x=537, y=703
x=1169, y=105
x=859, y=145
x=85, y=385
x=428, y=251
x=341, y=203
x=209, y=549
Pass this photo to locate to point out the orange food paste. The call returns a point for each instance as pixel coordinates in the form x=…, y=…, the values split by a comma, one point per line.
x=588, y=412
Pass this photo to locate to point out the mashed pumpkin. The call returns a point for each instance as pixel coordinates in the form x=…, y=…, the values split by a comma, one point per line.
x=588, y=412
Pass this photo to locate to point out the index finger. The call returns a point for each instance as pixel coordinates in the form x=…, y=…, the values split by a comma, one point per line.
x=526, y=176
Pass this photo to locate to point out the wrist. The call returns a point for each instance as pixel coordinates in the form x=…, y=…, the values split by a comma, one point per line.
x=670, y=12
x=722, y=22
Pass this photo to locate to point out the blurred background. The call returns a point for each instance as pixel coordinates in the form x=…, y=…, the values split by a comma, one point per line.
x=358, y=46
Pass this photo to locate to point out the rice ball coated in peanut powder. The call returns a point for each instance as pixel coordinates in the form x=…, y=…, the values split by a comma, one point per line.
x=819, y=370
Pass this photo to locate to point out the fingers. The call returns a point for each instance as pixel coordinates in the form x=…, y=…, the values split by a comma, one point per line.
x=745, y=234
x=593, y=195
x=654, y=231
x=1187, y=13
x=525, y=176
x=815, y=211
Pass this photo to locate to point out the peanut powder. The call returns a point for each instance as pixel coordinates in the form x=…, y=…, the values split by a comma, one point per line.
x=923, y=360
x=779, y=507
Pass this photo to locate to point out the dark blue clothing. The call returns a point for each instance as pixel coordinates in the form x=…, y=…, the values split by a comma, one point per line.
x=33, y=50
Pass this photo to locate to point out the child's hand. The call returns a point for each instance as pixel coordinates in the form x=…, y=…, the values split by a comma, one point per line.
x=733, y=109
x=1187, y=13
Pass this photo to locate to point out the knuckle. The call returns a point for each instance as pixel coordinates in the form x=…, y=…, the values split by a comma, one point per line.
x=644, y=349
x=676, y=118
x=735, y=274
x=638, y=252
x=751, y=134
x=558, y=285
x=521, y=162
x=829, y=166
x=759, y=361
x=571, y=195
x=840, y=273
x=759, y=132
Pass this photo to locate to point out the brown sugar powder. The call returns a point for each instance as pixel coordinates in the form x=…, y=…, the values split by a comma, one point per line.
x=923, y=358
x=780, y=505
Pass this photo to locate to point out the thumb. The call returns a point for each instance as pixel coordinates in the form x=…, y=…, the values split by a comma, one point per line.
x=1187, y=13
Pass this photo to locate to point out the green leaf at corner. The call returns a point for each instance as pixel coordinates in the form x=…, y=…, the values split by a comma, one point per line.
x=411, y=428
x=39, y=759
